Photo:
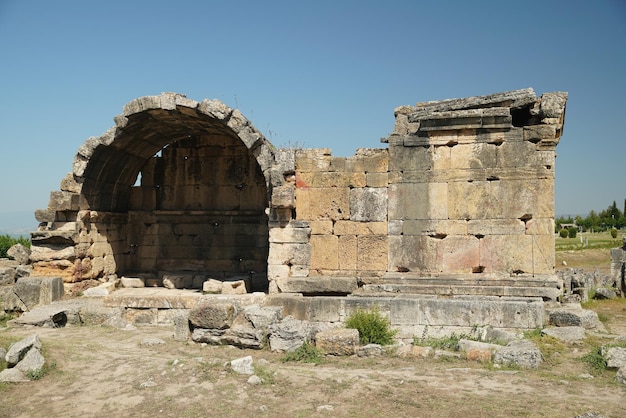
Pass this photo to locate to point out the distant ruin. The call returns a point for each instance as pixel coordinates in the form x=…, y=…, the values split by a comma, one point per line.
x=460, y=203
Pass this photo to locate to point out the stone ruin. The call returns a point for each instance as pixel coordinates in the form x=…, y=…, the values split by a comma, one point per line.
x=451, y=224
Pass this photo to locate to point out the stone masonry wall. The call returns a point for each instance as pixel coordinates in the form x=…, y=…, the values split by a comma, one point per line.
x=344, y=201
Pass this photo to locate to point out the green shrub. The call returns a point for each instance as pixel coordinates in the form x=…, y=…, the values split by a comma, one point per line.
x=563, y=233
x=373, y=327
x=7, y=241
x=572, y=231
x=613, y=233
x=450, y=342
x=306, y=353
x=595, y=361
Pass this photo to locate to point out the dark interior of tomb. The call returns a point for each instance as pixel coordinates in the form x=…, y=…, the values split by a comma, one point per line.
x=195, y=204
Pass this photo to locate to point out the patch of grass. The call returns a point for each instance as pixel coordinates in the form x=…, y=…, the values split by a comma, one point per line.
x=4, y=318
x=38, y=374
x=266, y=374
x=306, y=353
x=450, y=342
x=594, y=361
x=373, y=327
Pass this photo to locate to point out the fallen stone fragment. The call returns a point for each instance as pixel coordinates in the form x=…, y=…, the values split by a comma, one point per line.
x=18, y=350
x=242, y=365
x=605, y=293
x=254, y=380
x=476, y=350
x=32, y=362
x=615, y=357
x=12, y=375
x=212, y=286
x=621, y=375
x=338, y=341
x=568, y=334
x=19, y=253
x=370, y=350
x=288, y=334
x=152, y=342
x=524, y=354
x=572, y=314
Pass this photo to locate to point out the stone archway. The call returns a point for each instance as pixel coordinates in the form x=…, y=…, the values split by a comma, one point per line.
x=175, y=186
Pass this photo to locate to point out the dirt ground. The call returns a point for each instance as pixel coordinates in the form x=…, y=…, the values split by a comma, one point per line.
x=103, y=372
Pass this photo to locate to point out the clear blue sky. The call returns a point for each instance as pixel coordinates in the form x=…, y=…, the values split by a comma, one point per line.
x=319, y=74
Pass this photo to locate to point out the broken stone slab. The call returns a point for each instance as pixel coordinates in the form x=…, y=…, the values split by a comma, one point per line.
x=570, y=334
x=621, y=375
x=236, y=285
x=242, y=365
x=338, y=341
x=263, y=317
x=288, y=334
x=101, y=290
x=212, y=315
x=477, y=350
x=132, y=282
x=212, y=286
x=496, y=336
x=414, y=351
x=522, y=353
x=572, y=314
x=178, y=281
x=12, y=375
x=318, y=285
x=19, y=253
x=615, y=356
x=181, y=327
x=7, y=275
x=370, y=350
x=32, y=362
x=605, y=293
x=18, y=350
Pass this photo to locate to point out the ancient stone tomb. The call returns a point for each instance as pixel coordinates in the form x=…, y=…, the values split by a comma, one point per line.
x=461, y=202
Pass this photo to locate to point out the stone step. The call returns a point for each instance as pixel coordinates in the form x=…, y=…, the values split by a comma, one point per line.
x=464, y=281
x=550, y=293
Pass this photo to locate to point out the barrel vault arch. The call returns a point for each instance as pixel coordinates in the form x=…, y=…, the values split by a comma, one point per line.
x=175, y=186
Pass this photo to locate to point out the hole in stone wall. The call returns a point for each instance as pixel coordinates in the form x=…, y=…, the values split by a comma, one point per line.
x=521, y=116
x=138, y=181
x=438, y=235
x=493, y=178
x=478, y=269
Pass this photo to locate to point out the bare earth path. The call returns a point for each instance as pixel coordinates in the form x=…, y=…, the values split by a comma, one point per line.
x=104, y=372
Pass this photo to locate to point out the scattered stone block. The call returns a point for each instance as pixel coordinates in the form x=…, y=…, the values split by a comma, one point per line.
x=19, y=253
x=615, y=357
x=573, y=314
x=212, y=315
x=212, y=286
x=524, y=354
x=181, y=327
x=132, y=282
x=178, y=281
x=476, y=350
x=242, y=365
x=236, y=286
x=101, y=290
x=568, y=334
x=18, y=350
x=32, y=362
x=621, y=375
x=338, y=341
x=605, y=293
x=370, y=350
x=7, y=275
x=414, y=351
x=12, y=375
x=288, y=334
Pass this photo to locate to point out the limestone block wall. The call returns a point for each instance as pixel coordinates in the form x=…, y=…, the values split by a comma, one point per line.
x=471, y=185
x=344, y=203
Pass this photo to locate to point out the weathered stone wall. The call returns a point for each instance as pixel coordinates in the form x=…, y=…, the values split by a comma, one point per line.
x=472, y=185
x=344, y=201
x=465, y=189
